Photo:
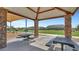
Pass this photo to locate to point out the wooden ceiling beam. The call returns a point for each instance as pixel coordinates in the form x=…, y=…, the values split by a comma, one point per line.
x=38, y=9
x=19, y=14
x=31, y=9
x=75, y=10
x=46, y=10
x=51, y=17
x=67, y=12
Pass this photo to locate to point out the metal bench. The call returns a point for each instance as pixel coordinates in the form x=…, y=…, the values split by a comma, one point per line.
x=26, y=36
x=76, y=47
x=63, y=41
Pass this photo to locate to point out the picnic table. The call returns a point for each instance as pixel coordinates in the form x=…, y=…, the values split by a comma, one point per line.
x=25, y=35
x=63, y=41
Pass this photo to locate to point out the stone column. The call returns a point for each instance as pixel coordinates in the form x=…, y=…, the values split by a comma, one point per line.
x=36, y=23
x=3, y=25
x=36, y=28
x=68, y=26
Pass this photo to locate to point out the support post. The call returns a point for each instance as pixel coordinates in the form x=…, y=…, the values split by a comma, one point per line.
x=68, y=26
x=3, y=25
x=26, y=30
x=36, y=24
x=36, y=28
x=10, y=24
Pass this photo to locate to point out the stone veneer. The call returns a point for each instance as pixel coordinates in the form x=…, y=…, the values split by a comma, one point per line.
x=68, y=26
x=3, y=19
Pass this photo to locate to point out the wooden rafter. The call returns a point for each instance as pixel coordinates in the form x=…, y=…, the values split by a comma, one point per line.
x=58, y=16
x=31, y=9
x=75, y=10
x=47, y=10
x=37, y=13
x=51, y=17
x=19, y=14
x=67, y=12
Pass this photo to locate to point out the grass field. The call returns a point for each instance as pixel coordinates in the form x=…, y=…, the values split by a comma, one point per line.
x=57, y=32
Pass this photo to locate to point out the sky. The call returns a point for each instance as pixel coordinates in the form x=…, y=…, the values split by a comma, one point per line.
x=44, y=23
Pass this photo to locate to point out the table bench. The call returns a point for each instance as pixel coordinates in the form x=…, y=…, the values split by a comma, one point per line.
x=26, y=36
x=63, y=41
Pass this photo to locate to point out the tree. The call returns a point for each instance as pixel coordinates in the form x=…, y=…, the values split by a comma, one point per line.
x=78, y=27
x=40, y=28
x=55, y=27
x=31, y=28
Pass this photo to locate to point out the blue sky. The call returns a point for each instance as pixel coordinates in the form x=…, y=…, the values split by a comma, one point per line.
x=21, y=23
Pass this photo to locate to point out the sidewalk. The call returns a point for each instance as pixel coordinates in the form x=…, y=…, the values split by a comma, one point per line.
x=58, y=35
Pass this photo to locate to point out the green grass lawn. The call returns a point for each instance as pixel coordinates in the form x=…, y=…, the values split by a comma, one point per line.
x=57, y=32
x=75, y=34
